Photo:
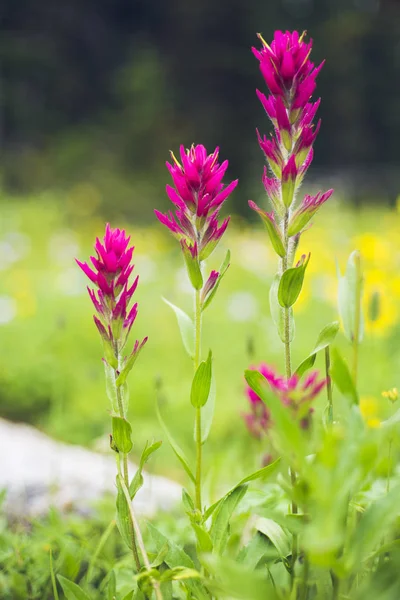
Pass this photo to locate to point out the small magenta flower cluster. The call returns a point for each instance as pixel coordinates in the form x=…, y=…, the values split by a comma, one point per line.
x=291, y=79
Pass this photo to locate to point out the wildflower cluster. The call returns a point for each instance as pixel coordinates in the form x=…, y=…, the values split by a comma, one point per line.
x=291, y=79
x=112, y=270
x=198, y=195
x=297, y=395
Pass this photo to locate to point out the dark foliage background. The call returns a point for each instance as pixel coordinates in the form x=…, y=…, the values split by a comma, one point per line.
x=98, y=91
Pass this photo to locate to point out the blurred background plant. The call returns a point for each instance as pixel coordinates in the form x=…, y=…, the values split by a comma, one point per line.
x=95, y=93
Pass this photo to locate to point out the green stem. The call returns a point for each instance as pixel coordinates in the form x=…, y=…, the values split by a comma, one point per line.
x=135, y=524
x=126, y=479
x=196, y=362
x=329, y=384
x=288, y=369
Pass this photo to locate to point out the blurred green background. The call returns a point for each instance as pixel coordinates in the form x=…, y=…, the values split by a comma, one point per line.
x=93, y=95
x=98, y=92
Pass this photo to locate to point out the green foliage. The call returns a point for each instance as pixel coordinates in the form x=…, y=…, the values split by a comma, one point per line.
x=290, y=284
x=201, y=384
x=122, y=432
x=326, y=338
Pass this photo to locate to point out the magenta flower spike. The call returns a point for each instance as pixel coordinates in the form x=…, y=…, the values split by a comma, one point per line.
x=110, y=274
x=198, y=195
x=290, y=76
x=294, y=393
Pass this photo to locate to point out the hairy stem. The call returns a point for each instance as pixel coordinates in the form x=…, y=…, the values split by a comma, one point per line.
x=197, y=325
x=135, y=524
x=288, y=369
x=126, y=479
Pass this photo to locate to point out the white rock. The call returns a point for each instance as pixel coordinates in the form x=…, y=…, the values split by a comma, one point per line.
x=38, y=472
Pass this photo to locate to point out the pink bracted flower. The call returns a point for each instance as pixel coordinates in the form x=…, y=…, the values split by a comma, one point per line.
x=287, y=68
x=290, y=76
x=198, y=195
x=110, y=274
x=294, y=393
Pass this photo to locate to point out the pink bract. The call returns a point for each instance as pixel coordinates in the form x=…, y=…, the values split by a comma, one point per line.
x=198, y=195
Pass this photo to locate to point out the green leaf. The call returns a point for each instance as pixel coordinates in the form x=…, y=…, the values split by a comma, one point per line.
x=186, y=327
x=274, y=532
x=176, y=557
x=179, y=573
x=350, y=296
x=177, y=450
x=372, y=528
x=325, y=339
x=207, y=412
x=201, y=383
x=122, y=431
x=222, y=270
x=160, y=558
x=71, y=590
x=264, y=473
x=112, y=586
x=342, y=378
x=193, y=267
x=137, y=480
x=123, y=516
x=219, y=531
x=273, y=230
x=53, y=578
x=111, y=388
x=128, y=366
x=234, y=580
x=256, y=549
x=291, y=283
x=187, y=501
x=277, y=312
x=203, y=538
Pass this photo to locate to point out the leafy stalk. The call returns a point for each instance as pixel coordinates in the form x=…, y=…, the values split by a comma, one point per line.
x=197, y=334
x=138, y=533
x=288, y=369
x=126, y=479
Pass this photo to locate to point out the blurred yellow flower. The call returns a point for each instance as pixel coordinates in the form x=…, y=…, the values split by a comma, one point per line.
x=370, y=410
x=374, y=249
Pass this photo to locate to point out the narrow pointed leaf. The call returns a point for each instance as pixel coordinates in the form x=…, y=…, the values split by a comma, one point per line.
x=222, y=270
x=350, y=296
x=290, y=285
x=277, y=313
x=219, y=531
x=122, y=432
x=175, y=447
x=186, y=327
x=325, y=338
x=201, y=383
x=71, y=590
x=342, y=378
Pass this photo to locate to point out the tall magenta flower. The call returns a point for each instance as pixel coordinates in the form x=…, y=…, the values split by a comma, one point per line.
x=290, y=76
x=110, y=273
x=198, y=195
x=293, y=392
